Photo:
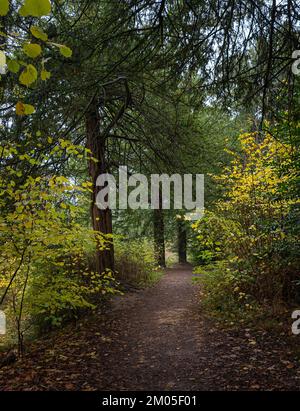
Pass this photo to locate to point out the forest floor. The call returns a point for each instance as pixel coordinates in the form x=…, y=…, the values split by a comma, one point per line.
x=156, y=339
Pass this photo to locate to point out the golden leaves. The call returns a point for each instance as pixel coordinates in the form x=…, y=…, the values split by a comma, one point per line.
x=32, y=50
x=4, y=7
x=35, y=8
x=29, y=75
x=24, y=109
x=38, y=33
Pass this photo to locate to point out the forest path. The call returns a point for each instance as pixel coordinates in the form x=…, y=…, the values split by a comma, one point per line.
x=155, y=339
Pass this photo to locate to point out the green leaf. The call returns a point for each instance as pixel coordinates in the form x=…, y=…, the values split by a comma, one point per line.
x=13, y=66
x=32, y=50
x=2, y=61
x=65, y=51
x=38, y=33
x=35, y=8
x=29, y=75
x=24, y=109
x=4, y=7
x=45, y=75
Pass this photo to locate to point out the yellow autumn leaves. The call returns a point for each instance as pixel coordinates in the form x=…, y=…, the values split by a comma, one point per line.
x=29, y=75
x=32, y=48
x=34, y=8
x=64, y=50
x=253, y=176
x=4, y=7
x=45, y=75
x=38, y=33
x=24, y=109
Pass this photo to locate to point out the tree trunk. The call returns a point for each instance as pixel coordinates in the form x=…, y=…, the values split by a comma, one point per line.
x=159, y=236
x=182, y=241
x=101, y=219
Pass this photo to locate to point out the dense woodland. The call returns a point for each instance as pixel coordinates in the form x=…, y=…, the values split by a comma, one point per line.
x=198, y=87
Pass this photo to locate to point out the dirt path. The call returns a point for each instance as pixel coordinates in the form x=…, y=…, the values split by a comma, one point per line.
x=155, y=339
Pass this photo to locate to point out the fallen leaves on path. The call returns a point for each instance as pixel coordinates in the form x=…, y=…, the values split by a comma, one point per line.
x=156, y=339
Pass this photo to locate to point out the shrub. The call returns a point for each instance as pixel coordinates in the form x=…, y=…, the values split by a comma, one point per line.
x=222, y=292
x=135, y=262
x=251, y=228
x=210, y=237
x=45, y=272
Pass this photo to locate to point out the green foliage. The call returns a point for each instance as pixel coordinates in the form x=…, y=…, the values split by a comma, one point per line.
x=13, y=66
x=210, y=235
x=135, y=262
x=46, y=276
x=222, y=292
x=32, y=50
x=29, y=75
x=17, y=39
x=4, y=7
x=38, y=33
x=65, y=51
x=153, y=117
x=256, y=248
x=35, y=8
